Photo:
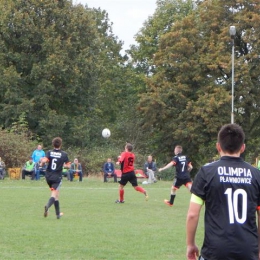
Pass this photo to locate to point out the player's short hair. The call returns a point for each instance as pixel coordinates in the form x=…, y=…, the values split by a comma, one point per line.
x=129, y=147
x=231, y=137
x=56, y=142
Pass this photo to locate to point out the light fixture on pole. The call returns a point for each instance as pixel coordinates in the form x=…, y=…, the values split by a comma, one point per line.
x=232, y=31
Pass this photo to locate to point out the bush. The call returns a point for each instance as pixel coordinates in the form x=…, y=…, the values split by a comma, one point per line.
x=166, y=175
x=15, y=149
x=93, y=159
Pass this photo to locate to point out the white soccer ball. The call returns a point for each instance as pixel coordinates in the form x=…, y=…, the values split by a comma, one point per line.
x=106, y=133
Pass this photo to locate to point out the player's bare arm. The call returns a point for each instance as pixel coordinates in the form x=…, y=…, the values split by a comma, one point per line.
x=166, y=167
x=43, y=161
x=190, y=167
x=191, y=227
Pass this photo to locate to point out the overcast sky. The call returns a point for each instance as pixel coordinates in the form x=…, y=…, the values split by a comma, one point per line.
x=127, y=16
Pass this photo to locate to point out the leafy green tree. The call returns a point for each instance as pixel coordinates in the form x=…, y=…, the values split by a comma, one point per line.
x=15, y=148
x=55, y=58
x=142, y=60
x=188, y=95
x=167, y=13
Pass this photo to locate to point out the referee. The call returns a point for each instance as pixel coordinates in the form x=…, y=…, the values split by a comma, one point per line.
x=230, y=190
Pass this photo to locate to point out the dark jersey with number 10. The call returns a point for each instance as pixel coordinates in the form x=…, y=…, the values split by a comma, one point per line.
x=57, y=158
x=230, y=188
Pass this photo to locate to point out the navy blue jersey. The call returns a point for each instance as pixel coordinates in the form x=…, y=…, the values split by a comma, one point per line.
x=181, y=163
x=57, y=158
x=230, y=188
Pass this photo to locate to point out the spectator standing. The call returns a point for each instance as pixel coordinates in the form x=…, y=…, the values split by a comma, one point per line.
x=109, y=170
x=38, y=154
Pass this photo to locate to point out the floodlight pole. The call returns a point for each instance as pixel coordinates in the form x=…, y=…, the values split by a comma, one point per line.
x=232, y=31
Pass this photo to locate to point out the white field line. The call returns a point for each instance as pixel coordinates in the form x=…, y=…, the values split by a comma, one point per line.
x=74, y=188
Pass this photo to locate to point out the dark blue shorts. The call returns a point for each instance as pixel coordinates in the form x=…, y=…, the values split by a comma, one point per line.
x=128, y=177
x=53, y=180
x=177, y=183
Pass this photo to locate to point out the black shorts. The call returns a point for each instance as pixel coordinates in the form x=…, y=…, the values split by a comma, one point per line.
x=53, y=180
x=177, y=183
x=128, y=177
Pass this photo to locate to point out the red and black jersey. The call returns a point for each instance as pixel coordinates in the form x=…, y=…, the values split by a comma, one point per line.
x=181, y=163
x=127, y=162
x=57, y=158
x=230, y=188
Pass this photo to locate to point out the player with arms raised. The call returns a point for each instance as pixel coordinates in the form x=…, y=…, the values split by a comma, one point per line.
x=183, y=167
x=230, y=190
x=56, y=159
x=126, y=159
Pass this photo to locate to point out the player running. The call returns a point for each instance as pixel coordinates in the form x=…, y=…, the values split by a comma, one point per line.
x=126, y=159
x=56, y=159
x=183, y=167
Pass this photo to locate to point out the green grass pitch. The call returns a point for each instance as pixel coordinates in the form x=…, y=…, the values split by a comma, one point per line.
x=93, y=226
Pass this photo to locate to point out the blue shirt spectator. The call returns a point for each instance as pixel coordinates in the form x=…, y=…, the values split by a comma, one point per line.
x=109, y=170
x=38, y=154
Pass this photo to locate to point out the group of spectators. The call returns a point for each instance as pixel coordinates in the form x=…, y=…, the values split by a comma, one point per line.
x=35, y=169
x=228, y=188
x=32, y=167
x=149, y=170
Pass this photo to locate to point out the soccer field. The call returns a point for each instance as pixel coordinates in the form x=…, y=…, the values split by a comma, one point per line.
x=93, y=225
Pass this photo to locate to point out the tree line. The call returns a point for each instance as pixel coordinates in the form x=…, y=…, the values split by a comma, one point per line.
x=62, y=74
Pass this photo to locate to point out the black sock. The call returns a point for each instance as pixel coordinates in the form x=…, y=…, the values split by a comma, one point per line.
x=172, y=199
x=57, y=207
x=50, y=202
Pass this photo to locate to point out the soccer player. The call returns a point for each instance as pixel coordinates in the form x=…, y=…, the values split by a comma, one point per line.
x=230, y=190
x=183, y=167
x=56, y=159
x=126, y=159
